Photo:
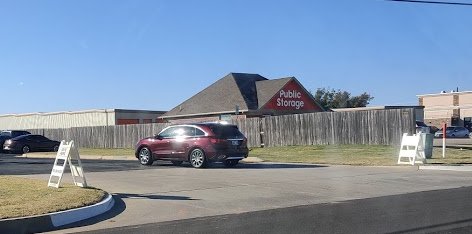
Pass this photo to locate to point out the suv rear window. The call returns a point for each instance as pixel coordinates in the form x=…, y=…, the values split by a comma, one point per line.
x=421, y=124
x=19, y=133
x=5, y=133
x=226, y=131
x=13, y=133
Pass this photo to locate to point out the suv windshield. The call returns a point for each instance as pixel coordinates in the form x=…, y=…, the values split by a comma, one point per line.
x=226, y=131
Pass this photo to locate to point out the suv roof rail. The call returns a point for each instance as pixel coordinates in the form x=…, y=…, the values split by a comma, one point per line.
x=222, y=122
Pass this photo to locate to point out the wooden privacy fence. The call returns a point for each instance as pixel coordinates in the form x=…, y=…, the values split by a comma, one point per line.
x=120, y=136
x=374, y=127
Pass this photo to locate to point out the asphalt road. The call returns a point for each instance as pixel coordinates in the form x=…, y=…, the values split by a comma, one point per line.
x=268, y=198
x=454, y=142
x=441, y=211
x=10, y=165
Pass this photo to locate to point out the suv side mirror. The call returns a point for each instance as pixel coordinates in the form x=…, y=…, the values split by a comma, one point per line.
x=157, y=136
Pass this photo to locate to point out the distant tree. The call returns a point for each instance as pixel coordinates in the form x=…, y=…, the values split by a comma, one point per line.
x=340, y=99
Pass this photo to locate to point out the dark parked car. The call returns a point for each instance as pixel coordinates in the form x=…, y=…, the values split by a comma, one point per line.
x=199, y=144
x=5, y=135
x=421, y=127
x=453, y=131
x=29, y=143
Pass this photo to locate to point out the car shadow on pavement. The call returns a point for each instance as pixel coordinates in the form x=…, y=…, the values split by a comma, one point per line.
x=265, y=165
x=275, y=166
x=108, y=216
x=154, y=196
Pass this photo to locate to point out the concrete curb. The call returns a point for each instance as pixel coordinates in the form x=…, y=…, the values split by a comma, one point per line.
x=447, y=168
x=51, y=221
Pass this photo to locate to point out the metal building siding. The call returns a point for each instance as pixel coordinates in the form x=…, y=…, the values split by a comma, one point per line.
x=137, y=115
x=57, y=120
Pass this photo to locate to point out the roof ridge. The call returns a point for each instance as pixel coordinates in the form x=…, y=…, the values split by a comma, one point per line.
x=234, y=89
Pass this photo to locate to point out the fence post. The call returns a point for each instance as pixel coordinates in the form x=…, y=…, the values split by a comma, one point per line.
x=261, y=132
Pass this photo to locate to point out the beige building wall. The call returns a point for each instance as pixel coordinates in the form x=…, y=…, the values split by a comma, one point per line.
x=465, y=104
x=466, y=100
x=466, y=112
x=437, y=113
x=444, y=107
x=437, y=101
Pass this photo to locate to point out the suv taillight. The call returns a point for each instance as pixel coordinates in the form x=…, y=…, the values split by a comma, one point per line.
x=217, y=141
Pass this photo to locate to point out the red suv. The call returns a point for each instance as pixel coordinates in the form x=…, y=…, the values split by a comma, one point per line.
x=198, y=144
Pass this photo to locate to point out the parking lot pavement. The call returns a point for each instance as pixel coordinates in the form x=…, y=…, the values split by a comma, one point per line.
x=454, y=142
x=11, y=165
x=405, y=213
x=165, y=193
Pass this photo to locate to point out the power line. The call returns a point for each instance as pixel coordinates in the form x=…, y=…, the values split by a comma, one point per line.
x=434, y=2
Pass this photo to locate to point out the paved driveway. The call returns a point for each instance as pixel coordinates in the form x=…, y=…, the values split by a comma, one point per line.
x=164, y=193
x=454, y=142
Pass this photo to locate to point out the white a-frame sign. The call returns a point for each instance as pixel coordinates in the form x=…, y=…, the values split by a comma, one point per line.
x=67, y=153
x=412, y=149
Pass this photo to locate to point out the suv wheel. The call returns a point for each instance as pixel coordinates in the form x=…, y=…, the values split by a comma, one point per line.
x=25, y=149
x=230, y=163
x=145, y=157
x=197, y=158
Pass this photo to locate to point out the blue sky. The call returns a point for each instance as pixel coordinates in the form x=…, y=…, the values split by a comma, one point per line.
x=136, y=54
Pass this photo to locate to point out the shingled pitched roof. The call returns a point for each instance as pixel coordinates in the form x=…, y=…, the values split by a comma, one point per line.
x=249, y=92
x=235, y=89
x=266, y=89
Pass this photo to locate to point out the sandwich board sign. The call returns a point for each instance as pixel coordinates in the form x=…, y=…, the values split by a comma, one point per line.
x=67, y=154
x=411, y=149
